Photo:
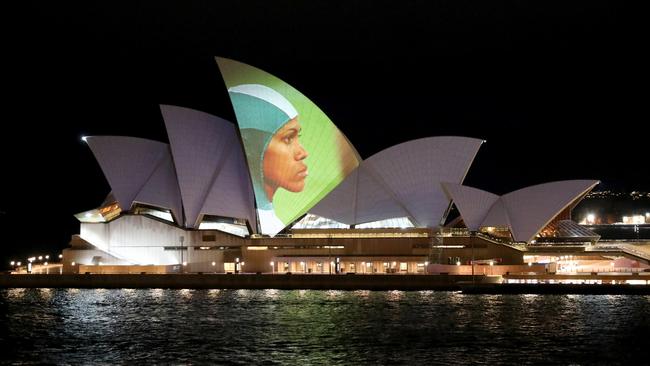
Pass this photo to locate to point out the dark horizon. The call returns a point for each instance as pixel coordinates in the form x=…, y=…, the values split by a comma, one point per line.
x=551, y=88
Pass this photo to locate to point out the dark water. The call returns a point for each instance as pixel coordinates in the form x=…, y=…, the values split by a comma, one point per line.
x=70, y=326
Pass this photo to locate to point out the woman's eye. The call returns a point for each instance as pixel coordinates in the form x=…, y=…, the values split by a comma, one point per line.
x=288, y=139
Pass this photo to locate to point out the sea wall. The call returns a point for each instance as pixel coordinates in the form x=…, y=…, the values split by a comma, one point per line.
x=242, y=281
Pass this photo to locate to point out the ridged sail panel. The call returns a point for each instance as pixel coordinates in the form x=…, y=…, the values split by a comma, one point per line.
x=374, y=201
x=294, y=152
x=402, y=181
x=497, y=216
x=525, y=211
x=473, y=204
x=161, y=189
x=231, y=194
x=532, y=208
x=340, y=204
x=127, y=162
x=209, y=165
x=413, y=172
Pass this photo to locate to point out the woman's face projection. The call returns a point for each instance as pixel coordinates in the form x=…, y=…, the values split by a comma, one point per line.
x=284, y=165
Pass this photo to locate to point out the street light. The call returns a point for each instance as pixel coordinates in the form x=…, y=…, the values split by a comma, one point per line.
x=29, y=264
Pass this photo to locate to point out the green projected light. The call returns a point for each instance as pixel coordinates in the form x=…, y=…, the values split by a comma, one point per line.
x=295, y=154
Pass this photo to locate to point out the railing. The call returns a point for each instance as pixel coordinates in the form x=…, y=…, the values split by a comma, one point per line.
x=621, y=248
x=514, y=245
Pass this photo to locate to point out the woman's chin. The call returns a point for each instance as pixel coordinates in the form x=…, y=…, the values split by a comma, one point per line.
x=295, y=188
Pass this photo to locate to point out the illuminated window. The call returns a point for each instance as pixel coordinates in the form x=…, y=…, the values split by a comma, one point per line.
x=311, y=221
x=397, y=222
x=154, y=212
x=226, y=224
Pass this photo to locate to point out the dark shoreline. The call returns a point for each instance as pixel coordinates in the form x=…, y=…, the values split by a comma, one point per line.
x=464, y=283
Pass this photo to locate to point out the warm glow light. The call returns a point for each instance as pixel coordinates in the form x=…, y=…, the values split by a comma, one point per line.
x=612, y=264
x=45, y=263
x=258, y=248
x=214, y=264
x=47, y=256
x=458, y=263
x=40, y=257
x=591, y=218
x=426, y=263
x=12, y=263
x=60, y=256
x=19, y=263
x=271, y=263
x=491, y=263
x=530, y=264
x=185, y=263
x=73, y=263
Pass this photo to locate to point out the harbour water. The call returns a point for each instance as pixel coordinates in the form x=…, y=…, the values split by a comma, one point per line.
x=153, y=326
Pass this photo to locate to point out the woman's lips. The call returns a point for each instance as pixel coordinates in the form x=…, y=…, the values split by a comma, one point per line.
x=303, y=173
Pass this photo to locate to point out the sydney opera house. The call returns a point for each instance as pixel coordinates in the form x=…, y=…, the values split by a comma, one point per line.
x=283, y=190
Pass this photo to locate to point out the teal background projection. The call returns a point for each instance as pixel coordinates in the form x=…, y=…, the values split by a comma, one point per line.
x=331, y=156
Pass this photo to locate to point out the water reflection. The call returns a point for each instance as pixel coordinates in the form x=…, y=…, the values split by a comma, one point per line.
x=185, y=293
x=72, y=326
x=156, y=293
x=364, y=294
x=394, y=295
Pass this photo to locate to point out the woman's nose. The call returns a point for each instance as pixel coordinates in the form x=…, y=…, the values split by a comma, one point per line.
x=301, y=153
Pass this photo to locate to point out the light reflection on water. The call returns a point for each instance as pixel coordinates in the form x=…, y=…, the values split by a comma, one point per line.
x=79, y=326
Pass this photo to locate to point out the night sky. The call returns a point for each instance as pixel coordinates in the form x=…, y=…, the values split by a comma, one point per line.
x=534, y=80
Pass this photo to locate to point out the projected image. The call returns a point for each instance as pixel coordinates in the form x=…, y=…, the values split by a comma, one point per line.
x=295, y=154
